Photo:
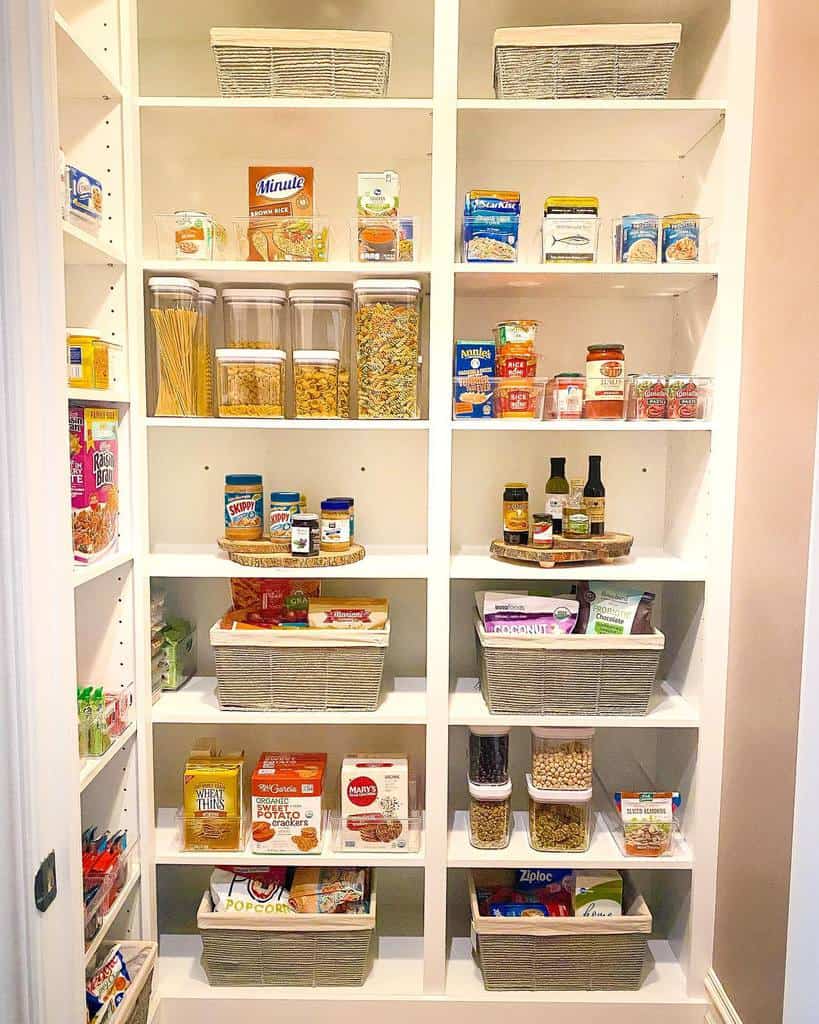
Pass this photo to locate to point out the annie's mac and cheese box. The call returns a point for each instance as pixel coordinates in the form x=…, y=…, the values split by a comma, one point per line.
x=287, y=803
x=280, y=209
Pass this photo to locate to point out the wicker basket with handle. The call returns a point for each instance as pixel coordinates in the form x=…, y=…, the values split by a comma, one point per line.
x=585, y=61
x=541, y=954
x=266, y=62
x=299, y=669
x=568, y=675
x=292, y=950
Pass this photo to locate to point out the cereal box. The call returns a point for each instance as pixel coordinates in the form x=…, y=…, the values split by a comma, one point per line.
x=375, y=801
x=473, y=371
x=280, y=208
x=286, y=803
x=212, y=800
x=94, y=481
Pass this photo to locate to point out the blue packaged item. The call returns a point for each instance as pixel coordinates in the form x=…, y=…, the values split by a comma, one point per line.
x=518, y=910
x=83, y=196
x=539, y=878
x=636, y=238
x=681, y=238
x=473, y=370
x=491, y=226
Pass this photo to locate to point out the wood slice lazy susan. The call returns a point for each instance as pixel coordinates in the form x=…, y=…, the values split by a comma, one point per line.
x=265, y=554
x=566, y=550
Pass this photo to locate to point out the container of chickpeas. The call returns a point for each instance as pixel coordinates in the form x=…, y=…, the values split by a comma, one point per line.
x=490, y=816
x=315, y=384
x=562, y=758
x=251, y=382
x=559, y=819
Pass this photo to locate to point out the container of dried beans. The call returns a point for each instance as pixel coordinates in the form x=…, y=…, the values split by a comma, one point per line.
x=490, y=816
x=559, y=819
x=387, y=349
x=251, y=382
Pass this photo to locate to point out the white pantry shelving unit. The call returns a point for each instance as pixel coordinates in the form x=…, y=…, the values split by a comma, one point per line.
x=137, y=100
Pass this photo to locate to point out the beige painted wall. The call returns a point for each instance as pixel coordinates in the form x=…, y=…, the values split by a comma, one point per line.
x=776, y=451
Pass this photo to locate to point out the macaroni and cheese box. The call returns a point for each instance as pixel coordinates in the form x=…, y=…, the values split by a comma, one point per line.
x=280, y=208
x=94, y=481
x=286, y=803
x=473, y=370
x=212, y=800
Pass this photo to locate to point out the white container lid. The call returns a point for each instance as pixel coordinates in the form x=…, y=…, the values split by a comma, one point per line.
x=250, y=355
x=80, y=332
x=319, y=355
x=329, y=296
x=172, y=284
x=492, y=793
x=381, y=284
x=208, y=294
x=560, y=733
x=275, y=295
x=557, y=796
x=490, y=730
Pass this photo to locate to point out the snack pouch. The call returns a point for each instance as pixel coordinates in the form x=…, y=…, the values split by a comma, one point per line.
x=610, y=609
x=107, y=984
x=328, y=891
x=260, y=891
x=528, y=615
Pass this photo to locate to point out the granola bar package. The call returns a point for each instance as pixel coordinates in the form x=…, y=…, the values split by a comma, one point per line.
x=329, y=891
x=94, y=455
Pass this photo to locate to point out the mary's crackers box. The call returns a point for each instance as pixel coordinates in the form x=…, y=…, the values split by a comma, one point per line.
x=287, y=803
x=94, y=456
x=473, y=371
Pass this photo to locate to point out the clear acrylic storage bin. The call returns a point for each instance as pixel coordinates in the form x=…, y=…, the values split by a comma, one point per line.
x=650, y=238
x=562, y=758
x=490, y=240
x=322, y=320
x=255, y=318
x=251, y=382
x=384, y=239
x=559, y=819
x=377, y=834
x=225, y=834
x=565, y=395
x=173, y=382
x=490, y=816
x=476, y=396
x=190, y=236
x=316, y=384
x=283, y=239
x=674, y=396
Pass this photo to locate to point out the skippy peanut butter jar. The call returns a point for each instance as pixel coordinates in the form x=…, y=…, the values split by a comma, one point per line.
x=280, y=208
x=287, y=803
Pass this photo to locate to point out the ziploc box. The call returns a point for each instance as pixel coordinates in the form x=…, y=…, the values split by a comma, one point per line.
x=597, y=894
x=473, y=369
x=491, y=226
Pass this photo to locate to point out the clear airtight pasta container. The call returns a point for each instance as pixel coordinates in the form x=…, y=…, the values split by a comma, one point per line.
x=251, y=382
x=559, y=819
x=489, y=754
x=315, y=383
x=255, y=318
x=172, y=383
x=490, y=816
x=387, y=334
x=204, y=358
x=562, y=758
x=321, y=320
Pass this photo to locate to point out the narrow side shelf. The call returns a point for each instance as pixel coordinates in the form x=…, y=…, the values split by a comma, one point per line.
x=90, y=767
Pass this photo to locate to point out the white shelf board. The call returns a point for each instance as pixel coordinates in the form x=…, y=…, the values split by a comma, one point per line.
x=281, y=103
x=79, y=74
x=168, y=851
x=97, y=395
x=397, y=972
x=650, y=565
x=81, y=248
x=210, y=563
x=247, y=272
x=251, y=423
x=584, y=130
x=666, y=984
x=196, y=702
x=667, y=710
x=90, y=767
x=595, y=280
x=603, y=851
x=85, y=573
x=612, y=426
x=116, y=906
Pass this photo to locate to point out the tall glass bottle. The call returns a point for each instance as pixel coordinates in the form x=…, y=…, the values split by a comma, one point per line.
x=557, y=491
x=594, y=497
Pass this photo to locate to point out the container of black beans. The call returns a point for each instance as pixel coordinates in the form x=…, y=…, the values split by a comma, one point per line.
x=488, y=755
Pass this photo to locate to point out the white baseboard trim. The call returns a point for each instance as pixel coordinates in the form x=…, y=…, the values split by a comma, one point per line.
x=723, y=1011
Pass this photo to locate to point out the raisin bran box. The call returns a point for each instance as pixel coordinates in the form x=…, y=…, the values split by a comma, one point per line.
x=94, y=456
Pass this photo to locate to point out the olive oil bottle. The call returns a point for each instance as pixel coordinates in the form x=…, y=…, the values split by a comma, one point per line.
x=576, y=519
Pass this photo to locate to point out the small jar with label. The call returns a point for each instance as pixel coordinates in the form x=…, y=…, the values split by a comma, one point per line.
x=244, y=506
x=576, y=518
x=605, y=382
x=542, y=530
x=304, y=535
x=515, y=514
x=284, y=505
x=351, y=506
x=335, y=526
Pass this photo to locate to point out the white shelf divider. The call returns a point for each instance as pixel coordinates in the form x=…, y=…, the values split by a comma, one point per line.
x=209, y=564
x=80, y=74
x=83, y=574
x=91, y=767
x=80, y=247
x=648, y=565
x=245, y=423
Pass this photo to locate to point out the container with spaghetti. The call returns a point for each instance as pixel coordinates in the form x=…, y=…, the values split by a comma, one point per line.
x=175, y=377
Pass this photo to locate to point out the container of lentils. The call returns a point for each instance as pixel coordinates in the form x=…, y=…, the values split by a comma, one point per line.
x=490, y=816
x=562, y=758
x=488, y=755
x=559, y=819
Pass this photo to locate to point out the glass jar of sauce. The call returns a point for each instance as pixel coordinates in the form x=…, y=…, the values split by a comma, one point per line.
x=515, y=514
x=605, y=382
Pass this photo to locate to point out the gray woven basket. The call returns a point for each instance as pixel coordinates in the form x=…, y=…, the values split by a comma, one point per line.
x=562, y=954
x=285, y=62
x=311, y=950
x=301, y=672
x=585, y=61
x=571, y=675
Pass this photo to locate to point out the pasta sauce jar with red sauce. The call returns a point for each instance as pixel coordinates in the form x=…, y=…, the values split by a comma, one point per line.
x=605, y=382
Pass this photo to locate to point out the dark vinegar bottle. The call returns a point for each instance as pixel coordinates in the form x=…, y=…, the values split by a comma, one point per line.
x=594, y=497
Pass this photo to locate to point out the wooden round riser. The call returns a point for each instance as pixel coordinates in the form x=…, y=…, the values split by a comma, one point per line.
x=566, y=550
x=265, y=554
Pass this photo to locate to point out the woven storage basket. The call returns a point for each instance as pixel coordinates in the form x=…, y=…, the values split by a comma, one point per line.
x=561, y=953
x=585, y=61
x=299, y=669
x=141, y=960
x=568, y=675
x=309, y=949
x=296, y=62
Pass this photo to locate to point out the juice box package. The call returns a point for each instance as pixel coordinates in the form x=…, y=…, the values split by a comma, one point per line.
x=473, y=370
x=287, y=803
x=375, y=801
x=280, y=208
x=94, y=456
x=212, y=799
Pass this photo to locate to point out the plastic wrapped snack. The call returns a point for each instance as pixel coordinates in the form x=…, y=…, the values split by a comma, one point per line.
x=329, y=891
x=250, y=890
